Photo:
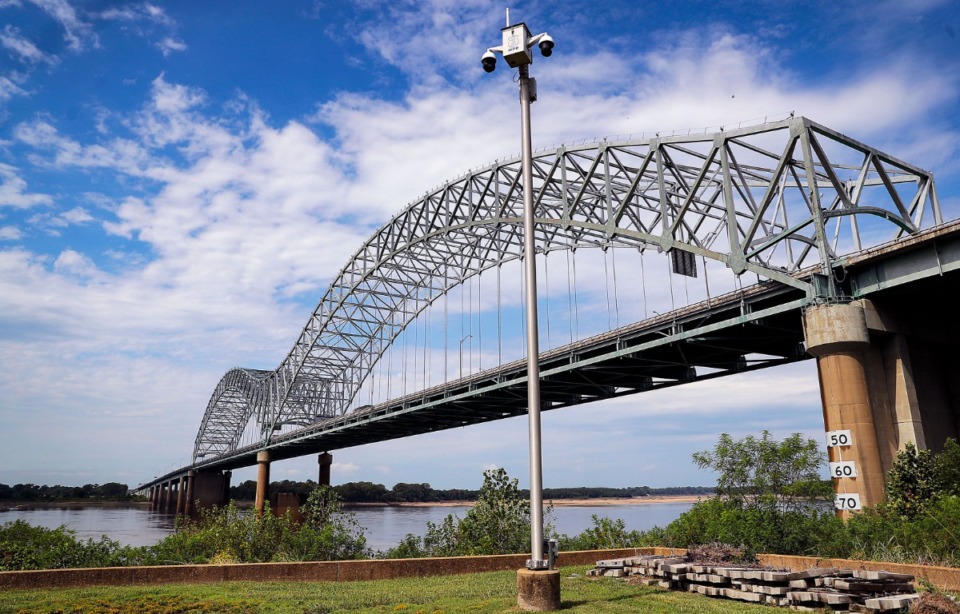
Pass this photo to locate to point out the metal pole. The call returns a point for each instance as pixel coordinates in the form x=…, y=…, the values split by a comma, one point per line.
x=533, y=343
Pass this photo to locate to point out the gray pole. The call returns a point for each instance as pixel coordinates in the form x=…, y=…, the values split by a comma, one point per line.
x=533, y=342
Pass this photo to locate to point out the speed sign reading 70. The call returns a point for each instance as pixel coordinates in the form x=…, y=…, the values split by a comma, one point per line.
x=847, y=501
x=839, y=438
x=843, y=469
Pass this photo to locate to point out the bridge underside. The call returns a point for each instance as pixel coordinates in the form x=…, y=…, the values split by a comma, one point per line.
x=753, y=329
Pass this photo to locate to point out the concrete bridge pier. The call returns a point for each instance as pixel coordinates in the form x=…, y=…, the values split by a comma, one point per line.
x=208, y=489
x=181, y=493
x=324, y=460
x=836, y=334
x=188, y=499
x=263, y=481
x=887, y=375
x=174, y=494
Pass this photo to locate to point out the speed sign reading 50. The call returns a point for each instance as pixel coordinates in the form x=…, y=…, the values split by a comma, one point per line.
x=839, y=438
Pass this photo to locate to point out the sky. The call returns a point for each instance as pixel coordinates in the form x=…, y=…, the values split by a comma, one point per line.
x=179, y=183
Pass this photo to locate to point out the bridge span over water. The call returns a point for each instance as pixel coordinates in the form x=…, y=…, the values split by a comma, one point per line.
x=841, y=239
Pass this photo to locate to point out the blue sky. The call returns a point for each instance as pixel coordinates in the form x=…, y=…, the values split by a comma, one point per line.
x=180, y=181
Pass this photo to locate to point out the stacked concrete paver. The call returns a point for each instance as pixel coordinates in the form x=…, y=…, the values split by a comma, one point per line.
x=843, y=590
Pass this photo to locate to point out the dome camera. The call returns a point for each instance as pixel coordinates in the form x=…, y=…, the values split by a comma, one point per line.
x=546, y=46
x=489, y=61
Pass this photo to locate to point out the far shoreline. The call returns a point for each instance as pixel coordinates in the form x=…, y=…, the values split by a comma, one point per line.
x=599, y=502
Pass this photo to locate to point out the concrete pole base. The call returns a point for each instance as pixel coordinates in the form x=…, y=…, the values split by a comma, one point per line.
x=538, y=591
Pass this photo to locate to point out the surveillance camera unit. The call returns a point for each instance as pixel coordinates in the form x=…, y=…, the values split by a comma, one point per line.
x=546, y=45
x=489, y=61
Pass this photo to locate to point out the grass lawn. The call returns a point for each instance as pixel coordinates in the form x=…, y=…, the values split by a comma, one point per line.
x=487, y=592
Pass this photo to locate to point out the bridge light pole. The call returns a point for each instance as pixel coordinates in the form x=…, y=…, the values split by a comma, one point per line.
x=536, y=590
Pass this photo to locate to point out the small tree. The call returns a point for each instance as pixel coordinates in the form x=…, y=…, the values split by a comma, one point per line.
x=498, y=523
x=767, y=491
x=762, y=472
x=948, y=467
x=912, y=482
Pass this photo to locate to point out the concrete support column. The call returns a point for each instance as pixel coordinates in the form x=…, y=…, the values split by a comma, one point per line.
x=324, y=460
x=263, y=480
x=188, y=500
x=171, y=497
x=225, y=477
x=181, y=492
x=836, y=334
x=165, y=496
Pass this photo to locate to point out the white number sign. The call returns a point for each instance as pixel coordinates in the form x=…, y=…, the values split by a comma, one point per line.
x=839, y=438
x=843, y=469
x=847, y=501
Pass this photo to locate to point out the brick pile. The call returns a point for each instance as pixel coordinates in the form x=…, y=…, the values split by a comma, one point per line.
x=843, y=590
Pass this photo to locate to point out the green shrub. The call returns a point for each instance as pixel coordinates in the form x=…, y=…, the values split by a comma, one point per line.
x=498, y=523
x=230, y=535
x=931, y=537
x=912, y=482
x=25, y=547
x=607, y=533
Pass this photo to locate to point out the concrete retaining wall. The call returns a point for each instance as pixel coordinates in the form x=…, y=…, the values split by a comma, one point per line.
x=321, y=571
x=945, y=578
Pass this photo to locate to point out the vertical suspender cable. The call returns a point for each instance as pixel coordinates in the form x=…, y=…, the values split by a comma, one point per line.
x=673, y=305
x=546, y=294
x=416, y=353
x=480, y=322
x=616, y=297
x=643, y=284
x=406, y=338
x=446, y=325
x=576, y=298
x=499, y=321
x=569, y=297
x=523, y=301
x=390, y=363
x=706, y=280
x=606, y=286
x=426, y=334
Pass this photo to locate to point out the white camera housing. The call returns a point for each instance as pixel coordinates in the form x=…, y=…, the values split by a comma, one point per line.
x=516, y=45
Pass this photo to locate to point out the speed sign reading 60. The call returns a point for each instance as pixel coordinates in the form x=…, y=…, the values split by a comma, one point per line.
x=847, y=501
x=839, y=438
x=843, y=469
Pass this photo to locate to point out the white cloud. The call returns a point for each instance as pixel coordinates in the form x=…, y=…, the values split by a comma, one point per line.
x=9, y=89
x=10, y=233
x=11, y=38
x=13, y=190
x=137, y=12
x=77, y=33
x=344, y=468
x=169, y=45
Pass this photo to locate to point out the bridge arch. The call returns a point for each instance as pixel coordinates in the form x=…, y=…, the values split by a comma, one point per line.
x=763, y=199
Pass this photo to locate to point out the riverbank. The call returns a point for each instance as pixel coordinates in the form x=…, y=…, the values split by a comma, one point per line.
x=10, y=506
x=601, y=502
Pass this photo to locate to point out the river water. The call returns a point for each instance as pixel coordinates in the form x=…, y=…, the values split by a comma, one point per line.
x=384, y=527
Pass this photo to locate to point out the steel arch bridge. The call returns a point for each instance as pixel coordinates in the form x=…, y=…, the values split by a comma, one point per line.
x=773, y=200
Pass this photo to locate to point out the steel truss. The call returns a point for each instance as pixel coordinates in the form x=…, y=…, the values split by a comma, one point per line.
x=769, y=199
